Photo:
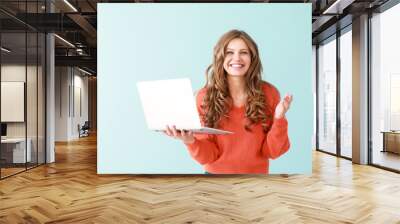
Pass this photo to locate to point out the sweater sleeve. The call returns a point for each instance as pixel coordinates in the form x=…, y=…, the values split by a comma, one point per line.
x=204, y=149
x=276, y=141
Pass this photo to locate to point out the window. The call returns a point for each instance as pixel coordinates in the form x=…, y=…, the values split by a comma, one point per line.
x=327, y=96
x=385, y=88
x=346, y=93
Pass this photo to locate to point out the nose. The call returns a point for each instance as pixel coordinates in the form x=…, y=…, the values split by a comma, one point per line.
x=236, y=56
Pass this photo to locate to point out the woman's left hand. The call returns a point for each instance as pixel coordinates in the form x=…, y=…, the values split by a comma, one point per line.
x=283, y=106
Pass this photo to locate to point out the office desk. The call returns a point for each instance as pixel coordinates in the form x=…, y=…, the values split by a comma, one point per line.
x=13, y=150
x=391, y=141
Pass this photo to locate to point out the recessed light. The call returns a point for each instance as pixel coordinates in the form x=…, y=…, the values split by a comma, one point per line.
x=84, y=71
x=70, y=5
x=5, y=50
x=64, y=40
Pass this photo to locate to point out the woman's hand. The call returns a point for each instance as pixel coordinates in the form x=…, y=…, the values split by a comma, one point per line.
x=283, y=106
x=186, y=136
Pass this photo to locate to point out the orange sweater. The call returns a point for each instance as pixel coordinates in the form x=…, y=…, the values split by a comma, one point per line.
x=243, y=151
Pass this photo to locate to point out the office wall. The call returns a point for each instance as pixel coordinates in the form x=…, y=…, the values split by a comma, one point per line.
x=15, y=72
x=33, y=126
x=12, y=98
x=92, y=87
x=71, y=102
x=80, y=105
x=61, y=103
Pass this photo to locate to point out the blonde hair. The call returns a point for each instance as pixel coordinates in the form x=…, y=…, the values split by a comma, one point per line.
x=217, y=101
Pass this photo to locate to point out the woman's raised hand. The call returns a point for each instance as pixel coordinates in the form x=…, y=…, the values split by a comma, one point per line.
x=186, y=136
x=283, y=106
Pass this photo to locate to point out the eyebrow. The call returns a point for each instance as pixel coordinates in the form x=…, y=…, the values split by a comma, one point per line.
x=239, y=50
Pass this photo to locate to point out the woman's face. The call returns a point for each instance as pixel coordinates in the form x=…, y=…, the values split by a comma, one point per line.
x=237, y=58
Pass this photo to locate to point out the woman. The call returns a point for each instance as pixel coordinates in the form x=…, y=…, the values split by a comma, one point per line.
x=236, y=99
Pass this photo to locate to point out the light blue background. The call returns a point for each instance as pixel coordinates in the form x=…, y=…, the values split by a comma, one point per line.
x=162, y=41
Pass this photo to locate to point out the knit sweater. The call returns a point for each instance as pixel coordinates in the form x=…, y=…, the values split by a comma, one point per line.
x=244, y=152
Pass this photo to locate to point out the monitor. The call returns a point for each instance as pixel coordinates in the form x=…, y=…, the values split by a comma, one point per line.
x=3, y=129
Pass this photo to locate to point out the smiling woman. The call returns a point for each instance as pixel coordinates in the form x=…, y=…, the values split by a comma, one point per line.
x=235, y=98
x=237, y=58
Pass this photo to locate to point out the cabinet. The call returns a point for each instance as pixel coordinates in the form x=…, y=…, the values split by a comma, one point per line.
x=13, y=150
x=391, y=141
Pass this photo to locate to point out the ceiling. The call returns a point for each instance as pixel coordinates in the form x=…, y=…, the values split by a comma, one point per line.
x=76, y=22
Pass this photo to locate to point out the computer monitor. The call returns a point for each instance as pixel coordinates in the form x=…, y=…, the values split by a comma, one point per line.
x=3, y=129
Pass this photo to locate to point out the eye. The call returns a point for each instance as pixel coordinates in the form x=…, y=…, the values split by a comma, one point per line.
x=229, y=52
x=244, y=52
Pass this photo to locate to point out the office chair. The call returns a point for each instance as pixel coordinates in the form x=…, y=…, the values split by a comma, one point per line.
x=84, y=130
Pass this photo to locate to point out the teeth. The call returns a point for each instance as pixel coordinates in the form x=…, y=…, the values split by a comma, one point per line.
x=236, y=65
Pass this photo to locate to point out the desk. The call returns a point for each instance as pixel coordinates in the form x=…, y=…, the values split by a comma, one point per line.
x=391, y=141
x=15, y=148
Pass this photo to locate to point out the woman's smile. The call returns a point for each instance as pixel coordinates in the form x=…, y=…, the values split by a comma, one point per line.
x=237, y=58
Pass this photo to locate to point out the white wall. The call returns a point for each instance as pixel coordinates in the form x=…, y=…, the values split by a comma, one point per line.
x=70, y=83
x=15, y=72
x=61, y=103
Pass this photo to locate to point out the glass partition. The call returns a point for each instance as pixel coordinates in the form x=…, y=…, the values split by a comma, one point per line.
x=32, y=95
x=327, y=96
x=13, y=109
x=41, y=85
x=22, y=77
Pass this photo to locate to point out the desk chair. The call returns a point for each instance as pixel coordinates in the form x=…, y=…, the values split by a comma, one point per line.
x=84, y=130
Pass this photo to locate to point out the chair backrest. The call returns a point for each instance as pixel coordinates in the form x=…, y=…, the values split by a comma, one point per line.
x=86, y=125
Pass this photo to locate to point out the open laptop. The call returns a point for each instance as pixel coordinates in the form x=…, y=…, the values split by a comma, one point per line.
x=171, y=102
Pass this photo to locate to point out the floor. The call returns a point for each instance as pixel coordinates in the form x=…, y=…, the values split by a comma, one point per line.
x=70, y=191
x=10, y=171
x=388, y=159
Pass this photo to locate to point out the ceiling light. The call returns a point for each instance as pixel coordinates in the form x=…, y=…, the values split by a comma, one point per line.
x=84, y=71
x=70, y=5
x=5, y=49
x=64, y=40
x=338, y=6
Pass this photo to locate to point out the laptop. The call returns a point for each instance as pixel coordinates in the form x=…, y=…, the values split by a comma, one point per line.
x=171, y=102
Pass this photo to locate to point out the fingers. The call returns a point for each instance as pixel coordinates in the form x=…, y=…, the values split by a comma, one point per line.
x=174, y=131
x=187, y=134
x=284, y=105
x=184, y=135
x=168, y=131
x=287, y=100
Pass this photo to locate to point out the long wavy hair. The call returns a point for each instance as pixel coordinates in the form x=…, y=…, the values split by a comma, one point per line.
x=217, y=101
